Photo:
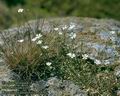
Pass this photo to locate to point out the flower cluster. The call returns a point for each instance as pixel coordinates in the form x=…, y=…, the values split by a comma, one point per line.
x=48, y=63
x=39, y=42
x=72, y=35
x=97, y=62
x=85, y=56
x=20, y=10
x=64, y=27
x=38, y=36
x=71, y=55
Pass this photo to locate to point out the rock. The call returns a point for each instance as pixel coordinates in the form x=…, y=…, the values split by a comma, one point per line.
x=5, y=73
x=118, y=92
x=56, y=87
x=38, y=86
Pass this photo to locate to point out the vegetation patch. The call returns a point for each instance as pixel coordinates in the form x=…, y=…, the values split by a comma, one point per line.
x=38, y=55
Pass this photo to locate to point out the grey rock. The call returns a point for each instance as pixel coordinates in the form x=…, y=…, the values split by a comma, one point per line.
x=56, y=87
x=38, y=86
x=5, y=72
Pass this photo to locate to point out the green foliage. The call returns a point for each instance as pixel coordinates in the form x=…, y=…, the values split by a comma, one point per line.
x=14, y=2
x=51, y=8
x=96, y=80
x=5, y=17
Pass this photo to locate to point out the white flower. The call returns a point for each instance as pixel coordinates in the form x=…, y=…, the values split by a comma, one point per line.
x=56, y=29
x=117, y=73
x=112, y=32
x=21, y=40
x=85, y=56
x=97, y=61
x=71, y=26
x=39, y=42
x=72, y=55
x=45, y=47
x=34, y=39
x=106, y=62
x=38, y=36
x=65, y=27
x=20, y=10
x=72, y=35
x=60, y=33
x=48, y=63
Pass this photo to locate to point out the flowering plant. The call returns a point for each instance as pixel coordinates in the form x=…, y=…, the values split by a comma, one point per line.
x=35, y=56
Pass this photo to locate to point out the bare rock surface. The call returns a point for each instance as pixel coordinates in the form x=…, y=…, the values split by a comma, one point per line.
x=56, y=87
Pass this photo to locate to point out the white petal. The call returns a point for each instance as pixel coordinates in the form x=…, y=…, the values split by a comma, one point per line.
x=72, y=55
x=71, y=27
x=85, y=56
x=65, y=27
x=38, y=36
x=45, y=47
x=112, y=32
x=48, y=63
x=72, y=35
x=21, y=40
x=97, y=61
x=20, y=10
x=60, y=33
x=39, y=42
x=56, y=29
x=34, y=39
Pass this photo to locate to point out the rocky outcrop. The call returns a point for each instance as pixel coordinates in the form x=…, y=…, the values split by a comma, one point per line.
x=56, y=87
x=99, y=38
